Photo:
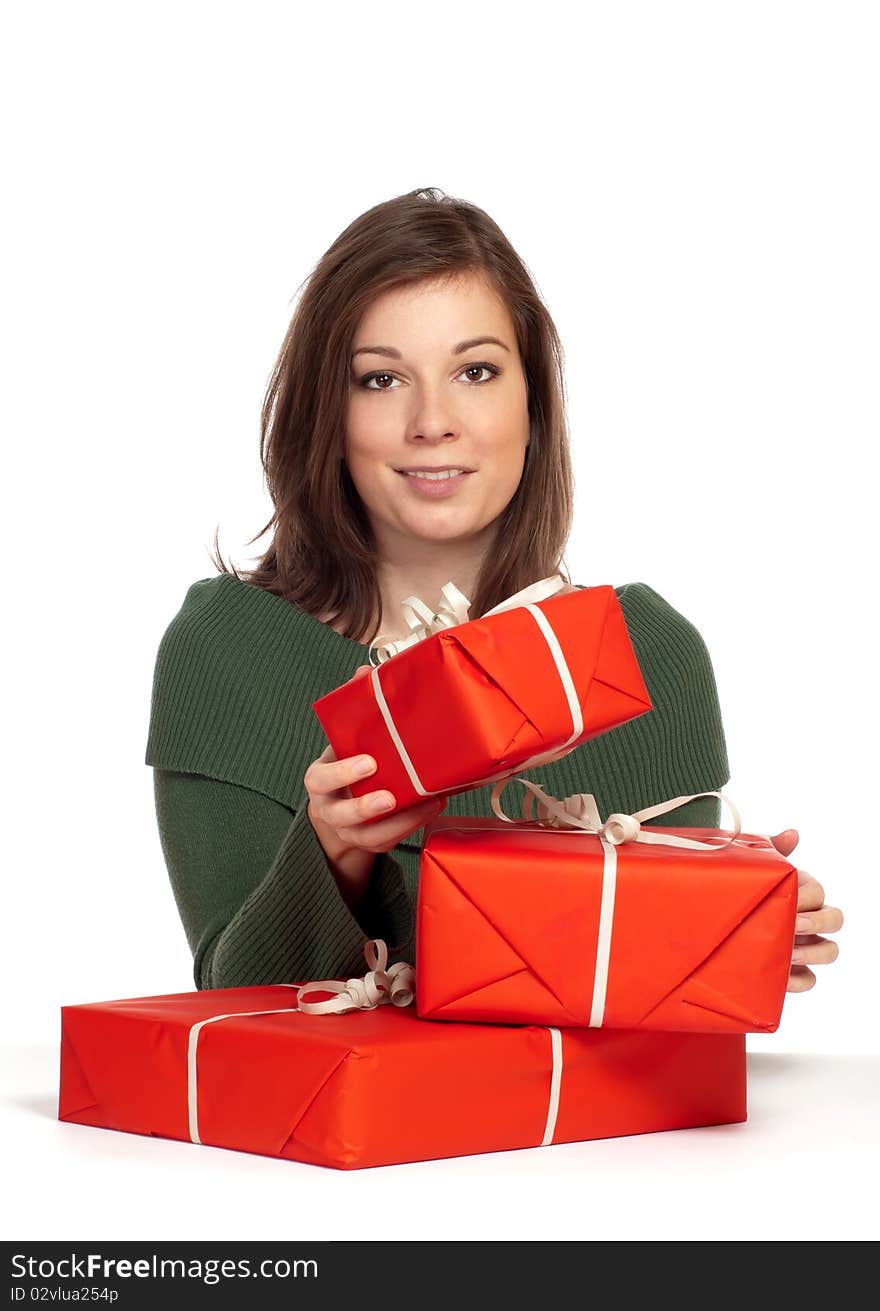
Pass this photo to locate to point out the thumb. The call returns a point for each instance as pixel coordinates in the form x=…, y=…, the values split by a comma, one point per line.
x=786, y=841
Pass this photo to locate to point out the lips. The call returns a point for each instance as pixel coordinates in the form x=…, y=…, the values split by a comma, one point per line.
x=434, y=488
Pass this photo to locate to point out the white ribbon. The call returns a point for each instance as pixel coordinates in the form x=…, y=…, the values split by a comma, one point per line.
x=192, y=1053
x=579, y=813
x=376, y=988
x=555, y=1085
x=422, y=622
x=455, y=612
x=396, y=985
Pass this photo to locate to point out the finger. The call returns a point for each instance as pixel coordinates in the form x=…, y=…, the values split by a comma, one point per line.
x=828, y=919
x=811, y=894
x=327, y=774
x=383, y=834
x=358, y=673
x=801, y=979
x=786, y=841
x=814, y=951
x=342, y=811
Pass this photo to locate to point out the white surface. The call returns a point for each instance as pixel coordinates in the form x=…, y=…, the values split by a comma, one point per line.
x=804, y=1166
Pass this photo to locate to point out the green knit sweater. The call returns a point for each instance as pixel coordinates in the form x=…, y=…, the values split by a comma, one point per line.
x=232, y=732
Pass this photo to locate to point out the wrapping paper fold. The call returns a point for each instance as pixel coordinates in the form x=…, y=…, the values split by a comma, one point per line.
x=241, y=1068
x=478, y=701
x=520, y=923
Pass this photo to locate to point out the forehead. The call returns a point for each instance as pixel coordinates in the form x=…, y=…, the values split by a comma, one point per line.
x=435, y=313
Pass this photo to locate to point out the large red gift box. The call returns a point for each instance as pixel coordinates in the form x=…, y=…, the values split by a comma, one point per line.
x=242, y=1068
x=667, y=929
x=480, y=700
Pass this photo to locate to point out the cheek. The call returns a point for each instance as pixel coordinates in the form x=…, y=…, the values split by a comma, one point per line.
x=359, y=447
x=505, y=427
x=504, y=444
x=369, y=436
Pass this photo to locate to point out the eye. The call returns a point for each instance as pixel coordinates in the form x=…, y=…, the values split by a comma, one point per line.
x=491, y=369
x=369, y=377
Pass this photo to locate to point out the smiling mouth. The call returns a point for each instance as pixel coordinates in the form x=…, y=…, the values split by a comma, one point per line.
x=443, y=475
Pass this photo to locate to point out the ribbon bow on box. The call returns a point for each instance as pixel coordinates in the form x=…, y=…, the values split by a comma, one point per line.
x=454, y=610
x=378, y=987
x=580, y=811
x=570, y=919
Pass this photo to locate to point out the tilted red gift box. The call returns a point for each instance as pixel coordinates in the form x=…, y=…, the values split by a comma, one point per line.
x=519, y=923
x=480, y=700
x=241, y=1068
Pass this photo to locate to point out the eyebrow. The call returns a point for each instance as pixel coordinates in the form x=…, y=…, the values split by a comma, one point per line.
x=456, y=350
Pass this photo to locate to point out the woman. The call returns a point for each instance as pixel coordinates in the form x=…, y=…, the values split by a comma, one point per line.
x=419, y=347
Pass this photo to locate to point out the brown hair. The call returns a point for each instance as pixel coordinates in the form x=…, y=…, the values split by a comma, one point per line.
x=323, y=557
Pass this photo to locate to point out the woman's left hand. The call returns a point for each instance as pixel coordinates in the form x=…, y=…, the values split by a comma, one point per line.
x=813, y=919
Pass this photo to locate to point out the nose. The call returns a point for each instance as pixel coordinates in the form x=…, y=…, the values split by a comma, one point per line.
x=432, y=419
x=431, y=438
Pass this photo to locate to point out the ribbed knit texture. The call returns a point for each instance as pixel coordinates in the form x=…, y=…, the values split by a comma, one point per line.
x=232, y=732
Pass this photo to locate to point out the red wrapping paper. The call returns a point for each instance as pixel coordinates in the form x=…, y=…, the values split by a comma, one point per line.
x=480, y=700
x=378, y=1087
x=508, y=919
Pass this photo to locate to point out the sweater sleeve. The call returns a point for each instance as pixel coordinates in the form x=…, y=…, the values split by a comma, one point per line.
x=257, y=899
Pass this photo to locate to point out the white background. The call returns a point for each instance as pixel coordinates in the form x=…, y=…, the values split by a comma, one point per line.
x=694, y=188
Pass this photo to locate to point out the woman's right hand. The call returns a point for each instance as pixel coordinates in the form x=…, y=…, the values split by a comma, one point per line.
x=339, y=819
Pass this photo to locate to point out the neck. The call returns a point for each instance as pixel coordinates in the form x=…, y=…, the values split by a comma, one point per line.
x=422, y=570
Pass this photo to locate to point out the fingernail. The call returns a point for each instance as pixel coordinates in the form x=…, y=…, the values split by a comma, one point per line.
x=803, y=924
x=365, y=765
x=383, y=803
x=796, y=955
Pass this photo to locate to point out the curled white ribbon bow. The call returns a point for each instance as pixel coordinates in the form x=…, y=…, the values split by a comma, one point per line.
x=376, y=988
x=580, y=811
x=454, y=609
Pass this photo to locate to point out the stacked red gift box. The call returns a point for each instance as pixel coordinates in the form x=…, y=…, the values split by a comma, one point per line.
x=576, y=977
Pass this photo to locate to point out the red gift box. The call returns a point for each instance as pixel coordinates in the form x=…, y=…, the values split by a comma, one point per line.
x=242, y=1068
x=477, y=701
x=573, y=922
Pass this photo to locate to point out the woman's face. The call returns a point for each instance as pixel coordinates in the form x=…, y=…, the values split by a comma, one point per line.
x=424, y=396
